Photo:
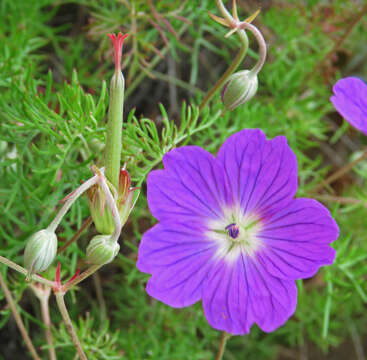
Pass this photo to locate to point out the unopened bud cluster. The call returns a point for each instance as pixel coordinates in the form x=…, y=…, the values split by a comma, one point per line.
x=108, y=212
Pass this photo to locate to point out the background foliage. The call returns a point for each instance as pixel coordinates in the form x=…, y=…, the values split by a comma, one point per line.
x=54, y=61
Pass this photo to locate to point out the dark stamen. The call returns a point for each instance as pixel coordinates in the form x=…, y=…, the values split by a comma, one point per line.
x=233, y=230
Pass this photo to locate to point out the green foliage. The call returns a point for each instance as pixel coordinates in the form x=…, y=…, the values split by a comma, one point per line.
x=52, y=129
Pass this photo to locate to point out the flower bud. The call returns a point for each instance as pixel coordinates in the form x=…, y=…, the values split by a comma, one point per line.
x=241, y=87
x=40, y=251
x=101, y=250
x=115, y=115
x=101, y=214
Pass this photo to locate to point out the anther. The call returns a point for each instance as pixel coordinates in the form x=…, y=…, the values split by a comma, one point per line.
x=233, y=230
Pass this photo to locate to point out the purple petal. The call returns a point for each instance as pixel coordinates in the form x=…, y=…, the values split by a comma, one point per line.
x=350, y=100
x=273, y=300
x=296, y=240
x=262, y=173
x=239, y=294
x=192, y=186
x=179, y=257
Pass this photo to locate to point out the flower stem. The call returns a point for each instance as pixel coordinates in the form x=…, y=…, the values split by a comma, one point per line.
x=339, y=173
x=70, y=200
x=18, y=319
x=45, y=311
x=23, y=271
x=262, y=45
x=222, y=346
x=69, y=325
x=238, y=59
x=80, y=278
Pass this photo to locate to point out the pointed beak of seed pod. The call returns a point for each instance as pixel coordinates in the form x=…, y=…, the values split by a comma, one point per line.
x=117, y=44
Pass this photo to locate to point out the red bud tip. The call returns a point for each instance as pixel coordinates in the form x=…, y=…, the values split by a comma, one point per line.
x=117, y=44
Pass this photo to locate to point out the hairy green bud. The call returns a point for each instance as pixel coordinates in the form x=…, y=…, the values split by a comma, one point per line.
x=101, y=250
x=40, y=251
x=241, y=87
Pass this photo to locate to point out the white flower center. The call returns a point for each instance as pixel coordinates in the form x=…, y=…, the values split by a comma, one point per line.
x=235, y=234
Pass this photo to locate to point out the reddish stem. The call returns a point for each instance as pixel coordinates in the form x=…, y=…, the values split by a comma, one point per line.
x=73, y=277
x=57, y=277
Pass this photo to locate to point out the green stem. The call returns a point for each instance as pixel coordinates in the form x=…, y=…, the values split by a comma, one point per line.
x=236, y=62
x=18, y=319
x=23, y=271
x=225, y=13
x=69, y=325
x=114, y=129
x=80, y=277
x=222, y=345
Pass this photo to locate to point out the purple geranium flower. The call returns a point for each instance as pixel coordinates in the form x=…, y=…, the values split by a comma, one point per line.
x=350, y=100
x=231, y=234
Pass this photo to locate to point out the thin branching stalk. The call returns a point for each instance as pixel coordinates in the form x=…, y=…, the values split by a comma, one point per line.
x=18, y=319
x=69, y=325
x=339, y=173
x=222, y=345
x=24, y=271
x=45, y=311
x=80, y=277
x=261, y=42
x=70, y=200
x=43, y=294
